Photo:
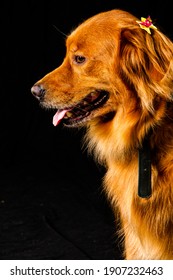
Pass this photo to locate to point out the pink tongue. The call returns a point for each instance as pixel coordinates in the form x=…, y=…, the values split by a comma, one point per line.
x=58, y=117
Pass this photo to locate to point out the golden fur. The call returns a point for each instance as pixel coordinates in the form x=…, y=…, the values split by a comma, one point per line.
x=136, y=69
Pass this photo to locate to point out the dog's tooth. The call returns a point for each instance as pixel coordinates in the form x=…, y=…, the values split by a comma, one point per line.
x=94, y=95
x=85, y=102
x=69, y=114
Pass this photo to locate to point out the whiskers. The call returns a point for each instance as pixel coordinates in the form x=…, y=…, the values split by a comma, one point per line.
x=61, y=32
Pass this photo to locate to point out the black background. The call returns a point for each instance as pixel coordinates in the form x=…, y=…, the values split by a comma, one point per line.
x=51, y=200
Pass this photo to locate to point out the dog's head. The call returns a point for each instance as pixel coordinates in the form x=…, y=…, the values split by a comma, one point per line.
x=112, y=68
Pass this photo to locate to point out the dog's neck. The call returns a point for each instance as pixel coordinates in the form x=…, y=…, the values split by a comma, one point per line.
x=152, y=144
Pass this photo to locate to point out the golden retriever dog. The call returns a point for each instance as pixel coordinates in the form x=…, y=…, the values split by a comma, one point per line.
x=116, y=80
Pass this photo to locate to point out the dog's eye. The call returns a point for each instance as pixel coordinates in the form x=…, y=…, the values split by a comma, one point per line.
x=79, y=59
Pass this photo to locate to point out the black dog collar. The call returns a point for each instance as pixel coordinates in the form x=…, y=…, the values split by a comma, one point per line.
x=144, y=179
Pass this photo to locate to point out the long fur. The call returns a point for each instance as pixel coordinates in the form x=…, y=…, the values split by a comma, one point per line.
x=136, y=68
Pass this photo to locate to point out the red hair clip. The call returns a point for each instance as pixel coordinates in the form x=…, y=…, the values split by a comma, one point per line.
x=146, y=24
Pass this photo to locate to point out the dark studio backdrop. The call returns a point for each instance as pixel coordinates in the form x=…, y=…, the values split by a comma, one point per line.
x=51, y=200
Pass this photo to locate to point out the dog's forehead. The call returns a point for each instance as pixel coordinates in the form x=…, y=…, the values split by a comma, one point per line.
x=90, y=34
x=82, y=40
x=99, y=30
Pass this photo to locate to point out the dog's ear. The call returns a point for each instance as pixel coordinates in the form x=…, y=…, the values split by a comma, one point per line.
x=146, y=64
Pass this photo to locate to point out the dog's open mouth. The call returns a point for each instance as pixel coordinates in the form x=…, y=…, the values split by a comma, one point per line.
x=73, y=116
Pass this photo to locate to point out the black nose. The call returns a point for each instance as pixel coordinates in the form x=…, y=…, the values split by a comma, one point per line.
x=38, y=91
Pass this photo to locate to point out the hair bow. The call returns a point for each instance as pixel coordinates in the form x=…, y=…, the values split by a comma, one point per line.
x=146, y=24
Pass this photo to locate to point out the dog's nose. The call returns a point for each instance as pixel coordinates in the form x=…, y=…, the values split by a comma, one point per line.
x=38, y=91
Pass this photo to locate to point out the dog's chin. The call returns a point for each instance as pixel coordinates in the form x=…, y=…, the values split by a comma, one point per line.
x=82, y=112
